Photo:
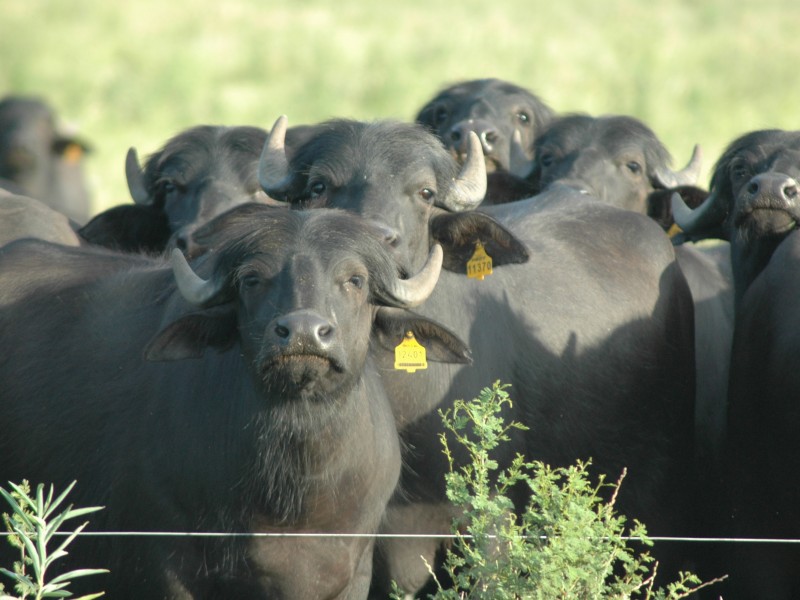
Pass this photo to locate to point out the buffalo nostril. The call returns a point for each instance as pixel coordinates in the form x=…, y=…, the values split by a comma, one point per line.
x=790, y=192
x=304, y=329
x=752, y=187
x=455, y=136
x=490, y=137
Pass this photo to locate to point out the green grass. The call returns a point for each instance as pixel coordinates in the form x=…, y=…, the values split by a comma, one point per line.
x=135, y=73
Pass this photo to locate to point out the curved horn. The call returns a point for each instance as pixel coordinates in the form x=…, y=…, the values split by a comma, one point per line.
x=710, y=214
x=689, y=175
x=415, y=290
x=273, y=166
x=519, y=163
x=192, y=287
x=133, y=173
x=469, y=188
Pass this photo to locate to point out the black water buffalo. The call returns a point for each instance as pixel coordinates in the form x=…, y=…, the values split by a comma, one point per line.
x=594, y=330
x=23, y=217
x=199, y=173
x=616, y=158
x=755, y=204
x=244, y=401
x=41, y=158
x=619, y=160
x=506, y=118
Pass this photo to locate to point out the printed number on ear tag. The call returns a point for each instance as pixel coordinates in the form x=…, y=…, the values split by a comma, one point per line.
x=480, y=265
x=409, y=355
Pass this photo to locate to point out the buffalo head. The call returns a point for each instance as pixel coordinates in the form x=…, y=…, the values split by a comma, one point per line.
x=42, y=158
x=197, y=175
x=399, y=176
x=618, y=159
x=754, y=201
x=505, y=117
x=303, y=293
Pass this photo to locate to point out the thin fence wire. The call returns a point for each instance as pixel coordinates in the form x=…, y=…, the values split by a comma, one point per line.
x=212, y=534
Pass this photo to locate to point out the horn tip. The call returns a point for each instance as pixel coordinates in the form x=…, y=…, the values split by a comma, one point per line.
x=475, y=142
x=280, y=123
x=697, y=153
x=176, y=257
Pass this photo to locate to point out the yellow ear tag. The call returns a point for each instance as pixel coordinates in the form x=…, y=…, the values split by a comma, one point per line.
x=674, y=230
x=409, y=355
x=72, y=153
x=480, y=265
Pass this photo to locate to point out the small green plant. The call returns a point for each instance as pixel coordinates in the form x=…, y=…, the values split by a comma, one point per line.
x=31, y=525
x=567, y=544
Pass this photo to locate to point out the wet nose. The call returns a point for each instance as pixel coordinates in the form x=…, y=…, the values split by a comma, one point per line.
x=184, y=241
x=487, y=133
x=774, y=185
x=304, y=330
x=389, y=234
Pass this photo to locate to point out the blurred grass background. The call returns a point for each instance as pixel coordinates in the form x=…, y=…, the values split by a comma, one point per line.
x=135, y=73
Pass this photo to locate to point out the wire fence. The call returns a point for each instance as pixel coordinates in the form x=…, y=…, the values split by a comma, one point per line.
x=216, y=534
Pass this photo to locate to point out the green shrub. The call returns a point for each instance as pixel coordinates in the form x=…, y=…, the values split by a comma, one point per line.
x=568, y=543
x=32, y=525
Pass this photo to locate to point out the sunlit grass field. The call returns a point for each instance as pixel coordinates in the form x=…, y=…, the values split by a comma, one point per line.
x=135, y=73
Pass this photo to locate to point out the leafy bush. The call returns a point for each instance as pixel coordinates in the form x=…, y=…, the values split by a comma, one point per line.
x=568, y=543
x=32, y=524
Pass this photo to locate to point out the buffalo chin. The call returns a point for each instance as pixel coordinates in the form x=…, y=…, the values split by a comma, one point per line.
x=300, y=375
x=768, y=222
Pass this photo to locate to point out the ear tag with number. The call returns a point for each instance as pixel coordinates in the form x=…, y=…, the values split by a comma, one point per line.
x=480, y=265
x=409, y=355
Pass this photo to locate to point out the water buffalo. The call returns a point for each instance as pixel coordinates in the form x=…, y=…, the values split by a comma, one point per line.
x=754, y=204
x=619, y=160
x=593, y=326
x=199, y=173
x=506, y=118
x=41, y=158
x=243, y=400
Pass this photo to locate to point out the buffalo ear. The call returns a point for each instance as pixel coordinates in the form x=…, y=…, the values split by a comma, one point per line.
x=458, y=233
x=441, y=344
x=190, y=335
x=503, y=187
x=129, y=228
x=659, y=203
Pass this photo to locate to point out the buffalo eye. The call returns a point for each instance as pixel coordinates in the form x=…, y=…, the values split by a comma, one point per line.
x=440, y=115
x=249, y=282
x=547, y=159
x=357, y=281
x=317, y=189
x=427, y=194
x=634, y=167
x=523, y=117
x=168, y=188
x=738, y=174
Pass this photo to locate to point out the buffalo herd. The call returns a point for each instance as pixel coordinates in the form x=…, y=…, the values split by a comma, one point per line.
x=221, y=354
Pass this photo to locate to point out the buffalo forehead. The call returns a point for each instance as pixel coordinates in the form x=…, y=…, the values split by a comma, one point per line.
x=786, y=160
